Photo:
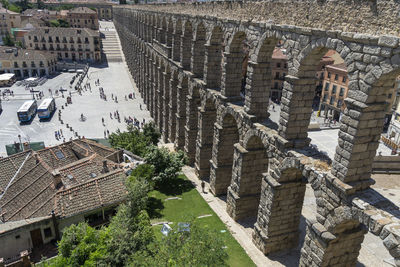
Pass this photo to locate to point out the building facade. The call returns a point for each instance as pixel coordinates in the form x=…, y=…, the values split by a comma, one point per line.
x=335, y=90
x=83, y=17
x=27, y=63
x=68, y=44
x=394, y=127
x=8, y=20
x=104, y=9
x=279, y=70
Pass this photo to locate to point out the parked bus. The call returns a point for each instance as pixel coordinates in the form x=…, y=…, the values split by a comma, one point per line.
x=27, y=111
x=46, y=108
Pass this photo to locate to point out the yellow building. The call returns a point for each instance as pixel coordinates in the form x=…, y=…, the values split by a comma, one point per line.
x=68, y=44
x=83, y=17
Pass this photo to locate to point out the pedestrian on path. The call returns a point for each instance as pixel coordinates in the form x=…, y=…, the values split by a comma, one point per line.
x=203, y=185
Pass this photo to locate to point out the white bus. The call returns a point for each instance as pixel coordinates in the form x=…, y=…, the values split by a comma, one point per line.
x=27, y=111
x=46, y=108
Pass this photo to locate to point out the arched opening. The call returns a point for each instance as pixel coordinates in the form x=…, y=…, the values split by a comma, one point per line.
x=193, y=102
x=198, y=51
x=234, y=67
x=176, y=46
x=163, y=31
x=213, y=59
x=186, y=47
x=249, y=164
x=170, y=33
x=265, y=78
x=226, y=134
x=182, y=93
x=173, y=106
x=204, y=143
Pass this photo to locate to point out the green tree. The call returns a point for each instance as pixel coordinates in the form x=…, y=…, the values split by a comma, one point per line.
x=199, y=247
x=40, y=4
x=167, y=165
x=7, y=40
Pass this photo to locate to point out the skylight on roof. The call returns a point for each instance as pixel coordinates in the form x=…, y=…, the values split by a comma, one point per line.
x=69, y=176
x=93, y=175
x=59, y=154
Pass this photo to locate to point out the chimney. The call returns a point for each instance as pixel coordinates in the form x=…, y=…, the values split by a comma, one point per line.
x=56, y=178
x=105, y=167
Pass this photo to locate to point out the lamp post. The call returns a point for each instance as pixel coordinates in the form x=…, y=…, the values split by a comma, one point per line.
x=20, y=143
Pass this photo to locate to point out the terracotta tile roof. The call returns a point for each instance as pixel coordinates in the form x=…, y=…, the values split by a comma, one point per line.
x=59, y=31
x=102, y=191
x=341, y=67
x=278, y=54
x=82, y=10
x=33, y=180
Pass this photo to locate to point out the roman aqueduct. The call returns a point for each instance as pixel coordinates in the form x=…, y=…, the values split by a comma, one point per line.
x=187, y=61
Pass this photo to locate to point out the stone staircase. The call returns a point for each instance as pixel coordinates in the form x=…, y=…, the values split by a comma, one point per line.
x=111, y=46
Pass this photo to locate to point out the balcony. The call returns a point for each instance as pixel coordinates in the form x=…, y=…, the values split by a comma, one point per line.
x=57, y=40
x=65, y=41
x=80, y=49
x=87, y=50
x=24, y=65
x=35, y=40
x=79, y=41
x=71, y=41
x=72, y=49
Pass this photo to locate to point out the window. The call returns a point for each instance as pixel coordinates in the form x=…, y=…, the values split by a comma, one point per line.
x=30, y=44
x=325, y=98
x=66, y=54
x=336, y=77
x=277, y=75
x=17, y=237
x=339, y=103
x=329, y=74
x=29, y=37
x=276, y=85
x=59, y=154
x=278, y=65
x=332, y=100
x=47, y=232
x=344, y=79
x=334, y=89
x=327, y=86
x=341, y=93
x=285, y=66
x=389, y=96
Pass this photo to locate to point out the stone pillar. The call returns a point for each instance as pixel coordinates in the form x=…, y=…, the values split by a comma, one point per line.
x=212, y=66
x=160, y=93
x=151, y=87
x=231, y=82
x=186, y=47
x=176, y=47
x=166, y=112
x=322, y=248
x=296, y=109
x=245, y=188
x=173, y=108
x=156, y=94
x=222, y=158
x=258, y=84
x=204, y=142
x=197, y=62
x=279, y=212
x=181, y=115
x=359, y=137
x=193, y=102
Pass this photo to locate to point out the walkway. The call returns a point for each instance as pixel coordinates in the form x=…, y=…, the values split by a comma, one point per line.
x=110, y=41
x=371, y=253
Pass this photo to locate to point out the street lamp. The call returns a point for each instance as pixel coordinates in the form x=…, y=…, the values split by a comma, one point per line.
x=20, y=144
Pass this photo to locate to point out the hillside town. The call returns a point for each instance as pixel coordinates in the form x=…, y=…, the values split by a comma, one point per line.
x=199, y=133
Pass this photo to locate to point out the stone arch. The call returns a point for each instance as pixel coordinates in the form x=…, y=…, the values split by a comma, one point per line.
x=299, y=92
x=226, y=135
x=186, y=45
x=213, y=59
x=182, y=93
x=176, y=42
x=259, y=77
x=250, y=161
x=204, y=144
x=198, y=51
x=337, y=242
x=170, y=32
x=234, y=67
x=363, y=118
x=192, y=104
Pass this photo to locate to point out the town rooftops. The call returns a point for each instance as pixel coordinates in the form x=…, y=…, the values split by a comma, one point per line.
x=7, y=53
x=82, y=10
x=4, y=11
x=31, y=181
x=67, y=32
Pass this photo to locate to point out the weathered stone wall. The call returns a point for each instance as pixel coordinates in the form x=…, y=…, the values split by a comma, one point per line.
x=362, y=16
x=263, y=169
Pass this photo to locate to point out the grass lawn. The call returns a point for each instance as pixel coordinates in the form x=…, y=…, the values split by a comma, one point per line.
x=188, y=206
